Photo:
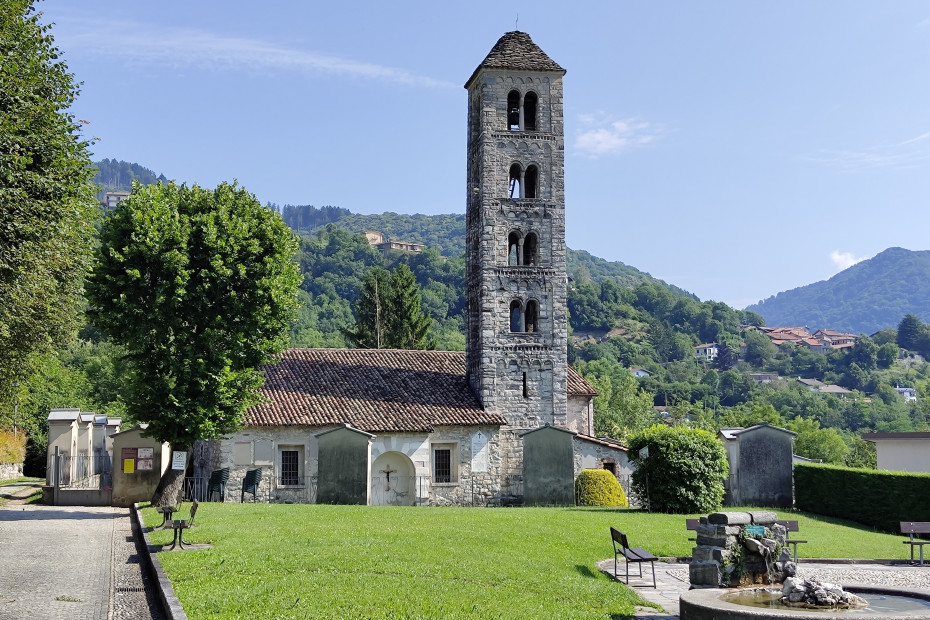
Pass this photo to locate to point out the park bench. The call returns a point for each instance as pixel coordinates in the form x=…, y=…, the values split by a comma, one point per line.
x=250, y=483
x=631, y=554
x=691, y=525
x=217, y=484
x=792, y=526
x=915, y=527
x=166, y=512
x=179, y=525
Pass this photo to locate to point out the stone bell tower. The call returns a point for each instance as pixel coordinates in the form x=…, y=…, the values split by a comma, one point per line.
x=516, y=347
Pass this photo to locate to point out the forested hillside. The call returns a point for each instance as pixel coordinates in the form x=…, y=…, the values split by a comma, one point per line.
x=117, y=176
x=619, y=318
x=865, y=298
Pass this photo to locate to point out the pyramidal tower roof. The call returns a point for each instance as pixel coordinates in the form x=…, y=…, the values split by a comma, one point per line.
x=516, y=50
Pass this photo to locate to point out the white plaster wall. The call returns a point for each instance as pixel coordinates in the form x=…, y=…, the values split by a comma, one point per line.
x=903, y=454
x=416, y=446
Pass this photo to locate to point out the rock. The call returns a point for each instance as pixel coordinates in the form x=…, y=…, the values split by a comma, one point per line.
x=769, y=544
x=705, y=574
x=796, y=597
x=763, y=517
x=755, y=546
x=729, y=518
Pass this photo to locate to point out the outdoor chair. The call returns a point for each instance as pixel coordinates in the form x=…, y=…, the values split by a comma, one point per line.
x=217, y=484
x=250, y=484
x=631, y=554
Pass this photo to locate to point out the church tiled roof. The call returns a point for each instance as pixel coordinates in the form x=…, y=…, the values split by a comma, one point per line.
x=516, y=50
x=375, y=390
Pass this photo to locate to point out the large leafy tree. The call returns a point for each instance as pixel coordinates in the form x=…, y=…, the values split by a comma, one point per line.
x=47, y=207
x=199, y=286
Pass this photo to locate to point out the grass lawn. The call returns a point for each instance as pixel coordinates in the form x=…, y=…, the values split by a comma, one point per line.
x=296, y=561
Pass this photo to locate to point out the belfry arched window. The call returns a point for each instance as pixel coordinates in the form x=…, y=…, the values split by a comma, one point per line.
x=529, y=111
x=513, y=111
x=531, y=316
x=530, y=182
x=516, y=181
x=530, y=250
x=516, y=316
x=514, y=243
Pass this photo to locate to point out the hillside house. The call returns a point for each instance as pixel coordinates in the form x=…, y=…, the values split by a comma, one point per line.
x=639, y=373
x=707, y=352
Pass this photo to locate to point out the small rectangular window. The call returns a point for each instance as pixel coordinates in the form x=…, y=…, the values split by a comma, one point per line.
x=442, y=465
x=290, y=468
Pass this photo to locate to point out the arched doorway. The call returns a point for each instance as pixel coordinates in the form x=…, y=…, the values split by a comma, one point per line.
x=393, y=480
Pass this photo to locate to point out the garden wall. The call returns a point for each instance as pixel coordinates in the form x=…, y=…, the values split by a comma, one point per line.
x=11, y=471
x=878, y=498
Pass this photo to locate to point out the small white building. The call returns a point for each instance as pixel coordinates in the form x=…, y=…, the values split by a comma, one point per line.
x=707, y=352
x=901, y=451
x=84, y=440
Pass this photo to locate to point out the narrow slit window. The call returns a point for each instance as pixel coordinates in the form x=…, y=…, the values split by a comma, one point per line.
x=526, y=392
x=529, y=111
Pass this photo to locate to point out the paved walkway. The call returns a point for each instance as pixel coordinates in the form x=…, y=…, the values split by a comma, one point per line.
x=70, y=562
x=672, y=579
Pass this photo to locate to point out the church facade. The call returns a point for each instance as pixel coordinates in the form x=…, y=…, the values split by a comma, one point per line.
x=507, y=421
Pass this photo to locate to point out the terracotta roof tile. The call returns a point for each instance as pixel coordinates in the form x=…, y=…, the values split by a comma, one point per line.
x=375, y=391
x=516, y=50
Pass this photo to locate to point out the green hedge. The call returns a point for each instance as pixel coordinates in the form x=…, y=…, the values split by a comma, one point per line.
x=878, y=498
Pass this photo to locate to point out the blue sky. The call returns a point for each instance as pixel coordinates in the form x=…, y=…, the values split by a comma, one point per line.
x=735, y=149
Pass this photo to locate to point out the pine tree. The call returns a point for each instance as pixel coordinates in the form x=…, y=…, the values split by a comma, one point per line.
x=372, y=311
x=406, y=322
x=390, y=312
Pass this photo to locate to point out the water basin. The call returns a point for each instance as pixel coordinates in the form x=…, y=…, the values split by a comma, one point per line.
x=728, y=604
x=879, y=603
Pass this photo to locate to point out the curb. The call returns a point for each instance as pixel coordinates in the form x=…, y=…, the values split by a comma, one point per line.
x=170, y=603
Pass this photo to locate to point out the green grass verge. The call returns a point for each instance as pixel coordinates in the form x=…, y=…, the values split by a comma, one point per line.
x=286, y=561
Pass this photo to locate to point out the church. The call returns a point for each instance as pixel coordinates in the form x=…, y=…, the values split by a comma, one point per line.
x=506, y=422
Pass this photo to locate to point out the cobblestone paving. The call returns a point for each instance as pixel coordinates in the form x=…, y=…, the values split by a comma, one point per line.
x=672, y=580
x=70, y=562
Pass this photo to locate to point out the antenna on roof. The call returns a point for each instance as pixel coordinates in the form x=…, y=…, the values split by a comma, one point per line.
x=516, y=23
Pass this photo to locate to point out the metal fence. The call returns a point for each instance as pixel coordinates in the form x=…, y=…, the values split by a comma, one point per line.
x=82, y=471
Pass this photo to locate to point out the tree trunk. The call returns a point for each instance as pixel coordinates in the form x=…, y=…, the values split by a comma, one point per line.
x=171, y=486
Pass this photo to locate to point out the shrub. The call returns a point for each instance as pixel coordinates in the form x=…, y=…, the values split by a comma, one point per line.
x=684, y=471
x=12, y=449
x=598, y=487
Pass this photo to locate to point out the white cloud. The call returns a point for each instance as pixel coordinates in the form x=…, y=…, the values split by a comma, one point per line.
x=137, y=43
x=908, y=153
x=601, y=135
x=844, y=260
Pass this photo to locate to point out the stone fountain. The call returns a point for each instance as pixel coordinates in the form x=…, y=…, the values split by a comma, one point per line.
x=737, y=552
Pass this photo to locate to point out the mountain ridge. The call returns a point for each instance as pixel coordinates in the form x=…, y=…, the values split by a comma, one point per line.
x=871, y=295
